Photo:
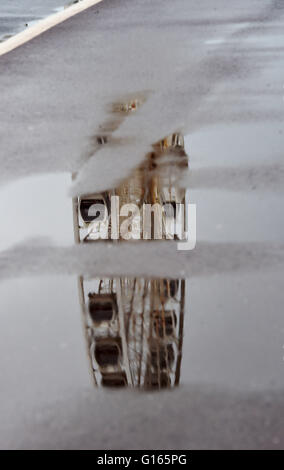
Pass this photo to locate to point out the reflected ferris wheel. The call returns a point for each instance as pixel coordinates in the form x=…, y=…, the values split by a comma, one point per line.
x=134, y=326
x=134, y=330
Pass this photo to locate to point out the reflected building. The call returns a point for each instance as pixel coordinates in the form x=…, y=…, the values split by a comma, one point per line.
x=134, y=326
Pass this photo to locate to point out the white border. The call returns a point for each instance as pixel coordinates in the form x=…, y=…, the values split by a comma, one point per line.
x=44, y=25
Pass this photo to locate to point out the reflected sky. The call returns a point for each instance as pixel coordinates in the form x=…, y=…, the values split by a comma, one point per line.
x=36, y=207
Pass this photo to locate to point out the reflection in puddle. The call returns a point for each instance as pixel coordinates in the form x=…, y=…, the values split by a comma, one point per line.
x=29, y=210
x=150, y=186
x=134, y=330
x=134, y=326
x=118, y=113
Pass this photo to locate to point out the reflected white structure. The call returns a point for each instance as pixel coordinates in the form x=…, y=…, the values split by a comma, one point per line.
x=134, y=326
x=151, y=189
x=134, y=330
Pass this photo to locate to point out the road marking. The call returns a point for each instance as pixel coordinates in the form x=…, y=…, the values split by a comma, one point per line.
x=44, y=25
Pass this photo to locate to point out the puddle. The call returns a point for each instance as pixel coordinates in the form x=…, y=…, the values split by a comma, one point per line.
x=41, y=347
x=134, y=331
x=36, y=207
x=134, y=326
